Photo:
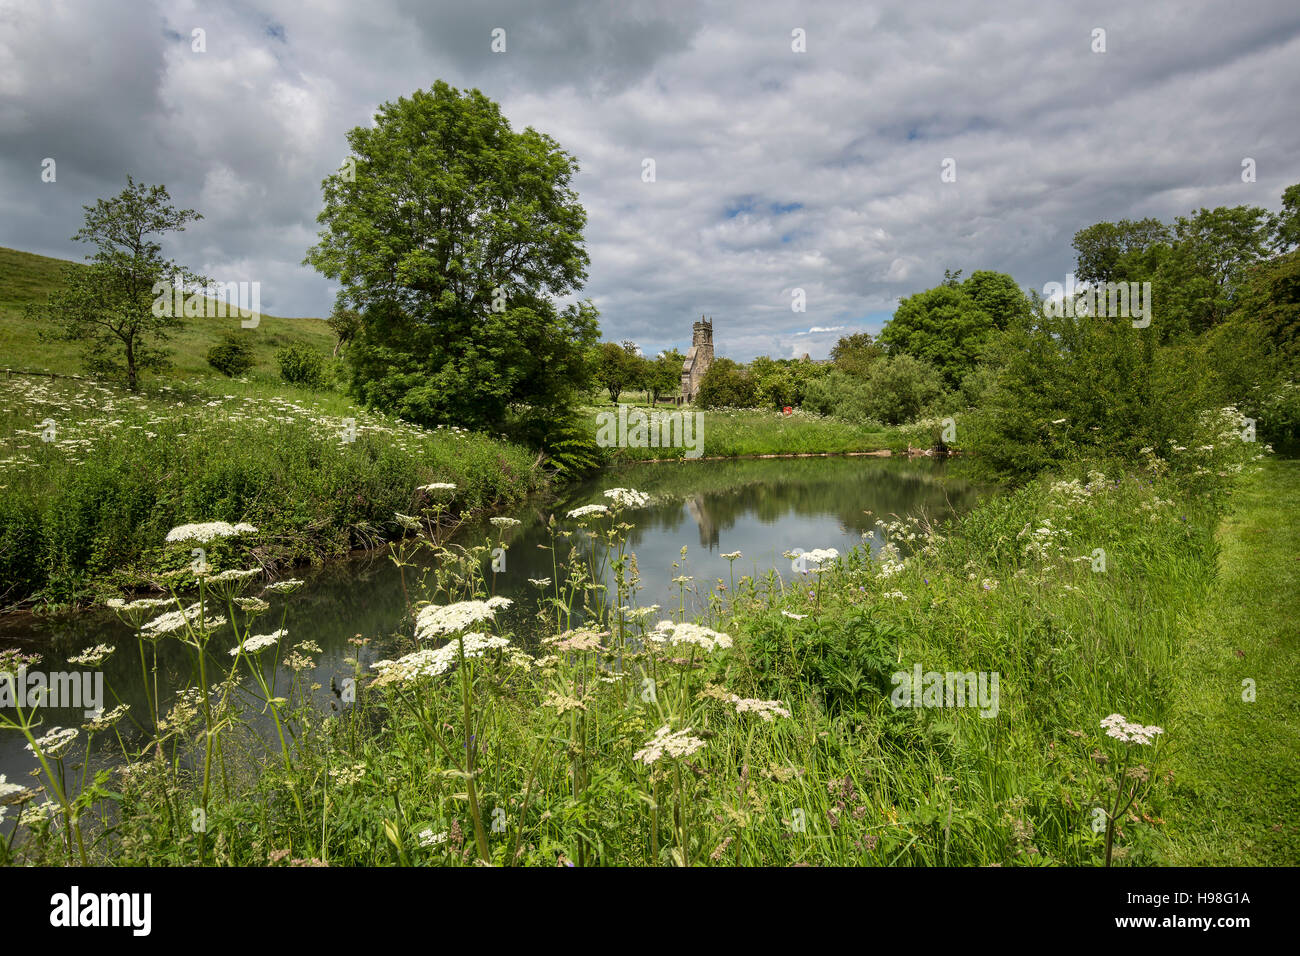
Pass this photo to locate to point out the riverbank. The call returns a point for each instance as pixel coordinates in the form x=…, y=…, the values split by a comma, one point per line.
x=94, y=477
x=782, y=726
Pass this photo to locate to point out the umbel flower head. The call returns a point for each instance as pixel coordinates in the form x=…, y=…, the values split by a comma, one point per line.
x=580, y=639
x=259, y=642
x=628, y=497
x=673, y=633
x=767, y=709
x=665, y=743
x=1118, y=727
x=175, y=620
x=438, y=620
x=588, y=510
x=55, y=742
x=206, y=531
x=432, y=663
x=94, y=656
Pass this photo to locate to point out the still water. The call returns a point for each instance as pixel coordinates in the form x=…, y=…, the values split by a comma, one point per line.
x=761, y=508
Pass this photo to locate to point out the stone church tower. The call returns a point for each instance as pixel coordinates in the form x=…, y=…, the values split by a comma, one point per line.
x=698, y=359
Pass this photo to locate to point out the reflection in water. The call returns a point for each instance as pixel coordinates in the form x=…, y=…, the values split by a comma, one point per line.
x=761, y=508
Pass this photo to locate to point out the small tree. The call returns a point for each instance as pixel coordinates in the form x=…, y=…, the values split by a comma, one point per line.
x=346, y=325
x=618, y=368
x=109, y=305
x=665, y=374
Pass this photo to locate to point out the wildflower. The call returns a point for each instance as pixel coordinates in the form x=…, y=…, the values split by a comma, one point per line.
x=287, y=586
x=407, y=522
x=258, y=642
x=206, y=531
x=1121, y=729
x=791, y=614
x=55, y=743
x=586, y=510
x=674, y=633
x=628, y=497
x=506, y=522
x=731, y=555
x=94, y=656
x=562, y=703
x=8, y=789
x=234, y=574
x=580, y=639
x=347, y=776
x=140, y=604
x=252, y=605
x=436, y=620
x=428, y=838
x=767, y=709
x=665, y=743
x=175, y=620
x=540, y=582
x=438, y=486
x=431, y=663
x=105, y=721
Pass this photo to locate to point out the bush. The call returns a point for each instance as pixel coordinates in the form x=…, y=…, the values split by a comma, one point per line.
x=840, y=395
x=896, y=390
x=301, y=365
x=726, y=385
x=1089, y=387
x=902, y=388
x=232, y=356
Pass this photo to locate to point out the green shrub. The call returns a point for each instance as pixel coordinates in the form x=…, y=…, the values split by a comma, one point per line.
x=726, y=385
x=232, y=356
x=301, y=365
x=896, y=389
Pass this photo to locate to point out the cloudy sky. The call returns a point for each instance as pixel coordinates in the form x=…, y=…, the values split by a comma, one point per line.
x=775, y=169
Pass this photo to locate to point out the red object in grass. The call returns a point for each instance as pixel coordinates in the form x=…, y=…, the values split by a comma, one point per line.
x=788, y=410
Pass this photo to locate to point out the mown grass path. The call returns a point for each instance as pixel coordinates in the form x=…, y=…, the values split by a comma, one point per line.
x=1237, y=763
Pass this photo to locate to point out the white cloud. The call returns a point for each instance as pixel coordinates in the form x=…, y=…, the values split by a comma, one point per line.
x=775, y=170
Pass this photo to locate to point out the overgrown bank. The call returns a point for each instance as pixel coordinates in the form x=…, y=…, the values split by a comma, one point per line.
x=769, y=731
x=94, y=477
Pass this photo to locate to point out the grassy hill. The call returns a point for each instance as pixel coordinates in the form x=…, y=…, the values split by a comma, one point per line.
x=26, y=279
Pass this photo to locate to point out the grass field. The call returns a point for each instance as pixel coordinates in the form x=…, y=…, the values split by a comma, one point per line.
x=738, y=432
x=26, y=279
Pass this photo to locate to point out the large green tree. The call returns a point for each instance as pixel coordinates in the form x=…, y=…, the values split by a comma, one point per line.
x=110, y=305
x=1119, y=251
x=949, y=325
x=452, y=235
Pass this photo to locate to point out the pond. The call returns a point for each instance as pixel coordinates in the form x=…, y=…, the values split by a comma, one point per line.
x=762, y=508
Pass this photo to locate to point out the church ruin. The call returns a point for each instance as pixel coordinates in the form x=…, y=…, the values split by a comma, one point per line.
x=698, y=359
